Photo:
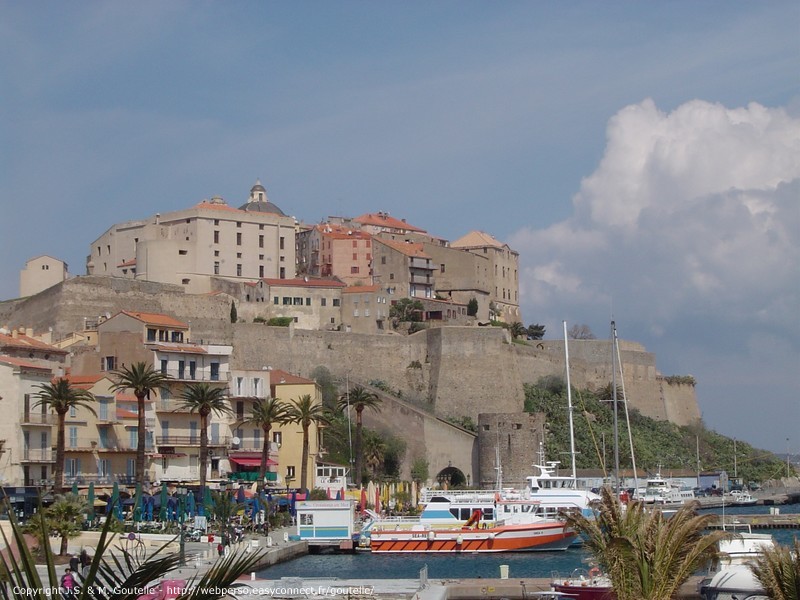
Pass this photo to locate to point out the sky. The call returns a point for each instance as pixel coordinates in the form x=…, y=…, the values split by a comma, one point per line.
x=643, y=158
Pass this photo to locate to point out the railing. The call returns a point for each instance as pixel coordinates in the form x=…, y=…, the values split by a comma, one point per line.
x=38, y=455
x=87, y=478
x=31, y=418
x=197, y=375
x=423, y=279
x=190, y=440
x=171, y=405
x=421, y=263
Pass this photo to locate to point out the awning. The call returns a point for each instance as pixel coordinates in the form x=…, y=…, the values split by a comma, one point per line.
x=251, y=462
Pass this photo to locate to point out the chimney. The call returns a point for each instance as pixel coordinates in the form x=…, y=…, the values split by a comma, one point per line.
x=29, y=332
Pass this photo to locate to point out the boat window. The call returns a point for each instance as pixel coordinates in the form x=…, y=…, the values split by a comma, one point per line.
x=488, y=513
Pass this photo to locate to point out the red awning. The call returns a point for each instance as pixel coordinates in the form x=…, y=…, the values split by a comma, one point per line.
x=251, y=462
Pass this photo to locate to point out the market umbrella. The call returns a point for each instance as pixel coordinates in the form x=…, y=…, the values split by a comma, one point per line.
x=339, y=494
x=208, y=500
x=137, y=507
x=75, y=488
x=162, y=511
x=378, y=500
x=90, y=502
x=371, y=492
x=240, y=497
x=414, y=493
x=115, y=504
x=363, y=500
x=191, y=504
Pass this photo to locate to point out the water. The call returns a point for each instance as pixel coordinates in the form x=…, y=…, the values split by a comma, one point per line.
x=364, y=565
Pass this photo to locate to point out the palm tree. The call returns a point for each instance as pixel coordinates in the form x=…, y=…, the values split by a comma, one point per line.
x=778, y=571
x=306, y=411
x=205, y=399
x=517, y=329
x=64, y=517
x=374, y=454
x=647, y=555
x=359, y=399
x=141, y=379
x=266, y=413
x=61, y=396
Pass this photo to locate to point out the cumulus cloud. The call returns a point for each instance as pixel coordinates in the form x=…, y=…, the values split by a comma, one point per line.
x=689, y=212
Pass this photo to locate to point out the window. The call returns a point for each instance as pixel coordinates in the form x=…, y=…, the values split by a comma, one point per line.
x=355, y=256
x=216, y=236
x=260, y=257
x=238, y=255
x=181, y=369
x=130, y=467
x=238, y=223
x=102, y=411
x=441, y=268
x=282, y=242
x=308, y=301
x=298, y=301
x=183, y=252
x=275, y=300
x=287, y=300
x=239, y=238
x=261, y=241
x=261, y=271
x=239, y=385
x=391, y=276
x=192, y=369
x=73, y=437
x=366, y=312
x=216, y=221
x=193, y=429
x=355, y=245
x=323, y=302
x=290, y=472
x=184, y=281
x=355, y=312
x=214, y=371
x=261, y=227
x=336, y=301
x=239, y=270
x=256, y=438
x=216, y=267
x=109, y=363
x=383, y=260
x=216, y=252
x=353, y=270
x=257, y=386
x=283, y=273
x=277, y=437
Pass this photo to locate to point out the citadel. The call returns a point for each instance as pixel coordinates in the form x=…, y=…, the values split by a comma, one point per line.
x=165, y=290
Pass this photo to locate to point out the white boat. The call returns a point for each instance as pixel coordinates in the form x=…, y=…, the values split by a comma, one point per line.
x=744, y=499
x=732, y=577
x=662, y=491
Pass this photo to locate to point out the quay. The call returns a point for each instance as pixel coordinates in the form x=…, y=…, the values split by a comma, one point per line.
x=771, y=521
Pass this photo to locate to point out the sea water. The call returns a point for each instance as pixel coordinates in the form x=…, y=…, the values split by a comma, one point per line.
x=363, y=565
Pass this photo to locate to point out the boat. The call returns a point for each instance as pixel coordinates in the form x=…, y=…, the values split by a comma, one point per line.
x=732, y=577
x=661, y=491
x=584, y=585
x=744, y=499
x=506, y=525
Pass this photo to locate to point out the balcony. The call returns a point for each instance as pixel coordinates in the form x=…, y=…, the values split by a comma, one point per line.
x=87, y=478
x=191, y=440
x=188, y=374
x=38, y=455
x=83, y=445
x=421, y=263
x=38, y=419
x=421, y=279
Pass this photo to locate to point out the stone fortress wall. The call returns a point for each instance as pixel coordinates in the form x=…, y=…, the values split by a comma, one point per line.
x=447, y=371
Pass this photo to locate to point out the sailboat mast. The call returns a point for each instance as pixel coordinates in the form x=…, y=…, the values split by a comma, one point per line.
x=569, y=404
x=614, y=403
x=627, y=414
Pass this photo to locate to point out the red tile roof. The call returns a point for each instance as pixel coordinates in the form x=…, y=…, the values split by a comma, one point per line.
x=155, y=319
x=361, y=289
x=277, y=377
x=17, y=362
x=340, y=232
x=321, y=283
x=24, y=341
x=216, y=206
x=382, y=219
x=413, y=249
x=128, y=263
x=187, y=348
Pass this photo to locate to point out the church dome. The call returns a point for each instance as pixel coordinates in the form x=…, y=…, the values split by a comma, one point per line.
x=258, y=201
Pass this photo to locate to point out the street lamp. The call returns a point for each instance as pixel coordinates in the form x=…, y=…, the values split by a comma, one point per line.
x=182, y=493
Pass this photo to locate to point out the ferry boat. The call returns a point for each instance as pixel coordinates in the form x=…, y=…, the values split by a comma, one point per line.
x=661, y=491
x=500, y=526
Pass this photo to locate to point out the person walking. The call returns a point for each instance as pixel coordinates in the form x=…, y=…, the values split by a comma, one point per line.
x=68, y=584
x=74, y=563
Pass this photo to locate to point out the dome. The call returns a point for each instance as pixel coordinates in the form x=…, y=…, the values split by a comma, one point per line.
x=259, y=202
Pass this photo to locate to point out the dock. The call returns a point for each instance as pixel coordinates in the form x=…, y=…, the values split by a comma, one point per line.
x=771, y=521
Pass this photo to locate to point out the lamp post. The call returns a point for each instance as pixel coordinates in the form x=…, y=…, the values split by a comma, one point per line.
x=182, y=492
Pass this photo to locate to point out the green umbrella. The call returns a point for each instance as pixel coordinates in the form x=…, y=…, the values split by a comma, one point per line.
x=75, y=488
x=90, y=502
x=162, y=512
x=114, y=504
x=137, y=507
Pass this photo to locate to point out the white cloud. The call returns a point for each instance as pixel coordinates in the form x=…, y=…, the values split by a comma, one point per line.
x=689, y=232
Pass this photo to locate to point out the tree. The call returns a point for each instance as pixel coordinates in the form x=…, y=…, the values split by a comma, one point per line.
x=517, y=330
x=472, y=307
x=580, y=332
x=204, y=399
x=374, y=450
x=778, y=571
x=266, y=413
x=494, y=311
x=327, y=385
x=60, y=396
x=234, y=313
x=406, y=310
x=420, y=470
x=65, y=517
x=359, y=399
x=536, y=332
x=306, y=412
x=142, y=379
x=646, y=555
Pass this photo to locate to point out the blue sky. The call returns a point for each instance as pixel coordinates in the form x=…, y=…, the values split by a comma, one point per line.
x=644, y=158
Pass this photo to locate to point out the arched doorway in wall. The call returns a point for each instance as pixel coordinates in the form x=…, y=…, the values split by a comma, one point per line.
x=452, y=477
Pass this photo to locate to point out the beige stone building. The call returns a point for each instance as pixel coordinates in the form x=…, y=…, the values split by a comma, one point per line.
x=365, y=309
x=311, y=303
x=499, y=271
x=383, y=222
x=403, y=269
x=41, y=273
x=211, y=239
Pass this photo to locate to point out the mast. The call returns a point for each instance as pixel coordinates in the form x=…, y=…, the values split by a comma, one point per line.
x=614, y=403
x=569, y=405
x=627, y=414
x=497, y=466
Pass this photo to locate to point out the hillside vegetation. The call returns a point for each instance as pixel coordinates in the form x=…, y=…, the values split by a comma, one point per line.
x=655, y=442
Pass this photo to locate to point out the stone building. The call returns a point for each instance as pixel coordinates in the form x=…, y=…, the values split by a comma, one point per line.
x=365, y=309
x=189, y=247
x=509, y=445
x=41, y=273
x=331, y=250
x=403, y=269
